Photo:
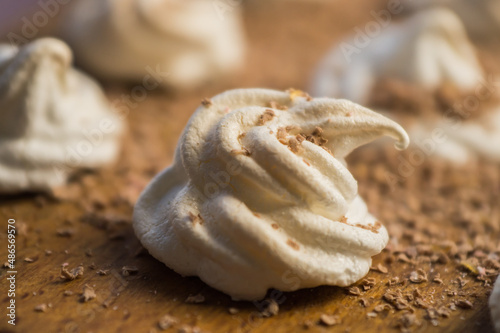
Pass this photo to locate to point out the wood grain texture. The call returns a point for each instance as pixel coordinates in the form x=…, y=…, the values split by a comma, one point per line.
x=89, y=220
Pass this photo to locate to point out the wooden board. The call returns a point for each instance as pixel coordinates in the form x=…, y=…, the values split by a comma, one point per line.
x=88, y=222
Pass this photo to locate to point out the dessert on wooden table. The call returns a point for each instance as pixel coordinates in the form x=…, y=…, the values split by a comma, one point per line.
x=260, y=191
x=53, y=118
x=426, y=71
x=181, y=43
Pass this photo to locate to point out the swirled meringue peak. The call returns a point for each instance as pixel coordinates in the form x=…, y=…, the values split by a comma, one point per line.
x=52, y=118
x=179, y=43
x=259, y=195
x=428, y=49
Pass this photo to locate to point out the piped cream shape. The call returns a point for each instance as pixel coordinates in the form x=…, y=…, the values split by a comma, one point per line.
x=429, y=49
x=494, y=304
x=270, y=219
x=52, y=118
x=173, y=43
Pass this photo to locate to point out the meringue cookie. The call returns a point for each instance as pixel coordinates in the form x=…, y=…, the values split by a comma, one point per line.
x=52, y=118
x=181, y=43
x=481, y=18
x=429, y=49
x=494, y=304
x=250, y=205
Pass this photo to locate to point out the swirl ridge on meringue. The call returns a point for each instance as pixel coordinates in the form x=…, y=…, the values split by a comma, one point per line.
x=259, y=190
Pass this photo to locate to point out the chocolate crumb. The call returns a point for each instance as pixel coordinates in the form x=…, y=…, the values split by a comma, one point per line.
x=277, y=106
x=41, y=308
x=364, y=302
x=382, y=307
x=167, y=321
x=129, y=270
x=243, y=151
x=380, y=268
x=195, y=219
x=196, y=299
x=275, y=226
x=329, y=320
x=65, y=232
x=73, y=274
x=293, y=244
x=271, y=309
x=88, y=294
x=265, y=117
x=294, y=145
x=354, y=291
x=464, y=304
x=418, y=276
x=437, y=279
x=407, y=320
x=206, y=102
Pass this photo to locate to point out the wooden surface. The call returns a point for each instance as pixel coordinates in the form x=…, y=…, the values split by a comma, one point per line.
x=88, y=221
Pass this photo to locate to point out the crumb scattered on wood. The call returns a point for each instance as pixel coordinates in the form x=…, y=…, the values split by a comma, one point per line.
x=73, y=274
x=195, y=299
x=380, y=268
x=65, y=232
x=129, y=270
x=271, y=309
x=88, y=294
x=41, y=308
x=166, y=322
x=329, y=320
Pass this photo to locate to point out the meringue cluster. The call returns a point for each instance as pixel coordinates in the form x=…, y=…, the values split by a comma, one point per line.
x=53, y=118
x=259, y=191
x=428, y=50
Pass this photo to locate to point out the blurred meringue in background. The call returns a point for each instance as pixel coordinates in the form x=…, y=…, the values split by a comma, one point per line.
x=480, y=17
x=186, y=43
x=53, y=118
x=427, y=52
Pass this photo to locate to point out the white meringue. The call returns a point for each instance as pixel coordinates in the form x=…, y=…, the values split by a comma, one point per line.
x=243, y=212
x=52, y=118
x=428, y=49
x=183, y=42
x=494, y=304
x=481, y=18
